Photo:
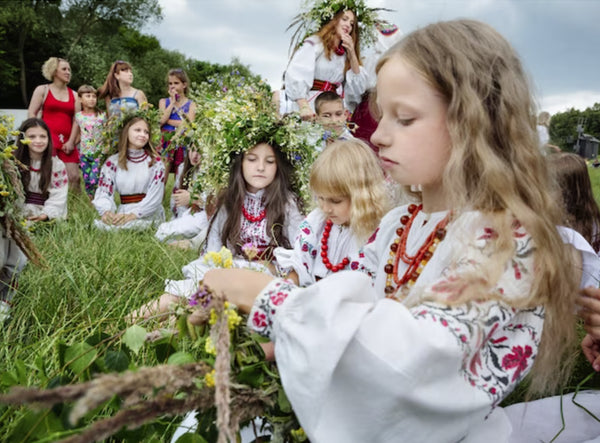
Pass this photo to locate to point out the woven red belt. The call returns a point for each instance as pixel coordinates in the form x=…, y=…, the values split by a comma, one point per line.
x=132, y=198
x=321, y=85
x=35, y=198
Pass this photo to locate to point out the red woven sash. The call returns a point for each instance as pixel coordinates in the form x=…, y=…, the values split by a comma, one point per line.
x=132, y=198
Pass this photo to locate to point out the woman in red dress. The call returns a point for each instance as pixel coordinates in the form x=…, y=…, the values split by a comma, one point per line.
x=58, y=104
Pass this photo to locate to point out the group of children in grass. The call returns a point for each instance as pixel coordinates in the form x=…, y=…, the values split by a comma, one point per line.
x=413, y=321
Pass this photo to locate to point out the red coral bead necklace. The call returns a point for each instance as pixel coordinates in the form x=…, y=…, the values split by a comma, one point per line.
x=324, y=248
x=416, y=262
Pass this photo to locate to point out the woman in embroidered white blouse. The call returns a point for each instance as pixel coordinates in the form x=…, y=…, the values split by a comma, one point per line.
x=326, y=61
x=459, y=294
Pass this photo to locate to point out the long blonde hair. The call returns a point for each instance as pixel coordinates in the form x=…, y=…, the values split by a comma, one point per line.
x=349, y=168
x=495, y=167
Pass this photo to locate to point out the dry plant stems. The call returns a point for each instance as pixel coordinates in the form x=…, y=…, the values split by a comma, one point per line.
x=222, y=365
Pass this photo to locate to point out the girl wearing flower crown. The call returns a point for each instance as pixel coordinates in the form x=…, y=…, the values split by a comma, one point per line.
x=348, y=183
x=137, y=174
x=459, y=294
x=257, y=211
x=45, y=177
x=328, y=59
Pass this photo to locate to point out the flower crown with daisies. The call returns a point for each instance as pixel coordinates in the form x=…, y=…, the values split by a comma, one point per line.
x=109, y=138
x=315, y=14
x=233, y=115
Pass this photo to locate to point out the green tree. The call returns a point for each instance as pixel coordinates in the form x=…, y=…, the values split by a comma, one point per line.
x=28, y=26
x=563, y=126
x=79, y=28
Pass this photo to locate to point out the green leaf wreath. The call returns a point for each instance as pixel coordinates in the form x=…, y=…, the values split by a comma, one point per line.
x=109, y=138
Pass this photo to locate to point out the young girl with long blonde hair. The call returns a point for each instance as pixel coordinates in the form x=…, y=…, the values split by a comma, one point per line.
x=460, y=296
x=348, y=184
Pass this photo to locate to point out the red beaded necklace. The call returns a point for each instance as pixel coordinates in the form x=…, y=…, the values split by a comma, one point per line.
x=340, y=50
x=333, y=268
x=138, y=159
x=254, y=218
x=31, y=168
x=416, y=262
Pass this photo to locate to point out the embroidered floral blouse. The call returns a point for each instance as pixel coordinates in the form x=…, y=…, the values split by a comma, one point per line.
x=253, y=232
x=55, y=205
x=309, y=63
x=305, y=259
x=357, y=366
x=139, y=178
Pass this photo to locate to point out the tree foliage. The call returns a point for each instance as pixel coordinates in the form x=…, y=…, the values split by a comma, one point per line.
x=563, y=126
x=91, y=34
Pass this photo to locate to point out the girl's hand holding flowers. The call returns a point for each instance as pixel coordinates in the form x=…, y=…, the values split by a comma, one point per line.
x=240, y=286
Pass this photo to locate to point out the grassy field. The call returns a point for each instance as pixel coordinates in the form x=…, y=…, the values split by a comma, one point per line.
x=91, y=281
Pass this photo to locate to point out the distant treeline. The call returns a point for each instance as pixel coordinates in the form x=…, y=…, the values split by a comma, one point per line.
x=91, y=35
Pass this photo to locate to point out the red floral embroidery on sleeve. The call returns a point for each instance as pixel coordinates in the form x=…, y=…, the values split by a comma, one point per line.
x=518, y=359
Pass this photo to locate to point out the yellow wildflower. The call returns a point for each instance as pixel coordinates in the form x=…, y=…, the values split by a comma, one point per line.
x=4, y=193
x=209, y=379
x=209, y=347
x=233, y=319
x=213, y=317
x=298, y=434
x=25, y=141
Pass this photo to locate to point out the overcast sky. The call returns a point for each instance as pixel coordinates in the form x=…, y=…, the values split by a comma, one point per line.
x=558, y=40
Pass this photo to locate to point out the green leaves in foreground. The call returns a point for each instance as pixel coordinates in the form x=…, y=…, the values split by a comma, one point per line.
x=134, y=338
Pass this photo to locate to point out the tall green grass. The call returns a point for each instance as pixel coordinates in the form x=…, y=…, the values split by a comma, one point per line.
x=91, y=281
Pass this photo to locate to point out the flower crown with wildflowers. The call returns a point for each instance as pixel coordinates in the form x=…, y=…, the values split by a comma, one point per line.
x=233, y=116
x=315, y=14
x=109, y=138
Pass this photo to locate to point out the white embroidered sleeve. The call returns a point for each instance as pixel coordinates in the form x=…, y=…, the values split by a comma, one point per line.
x=357, y=367
x=300, y=73
x=104, y=197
